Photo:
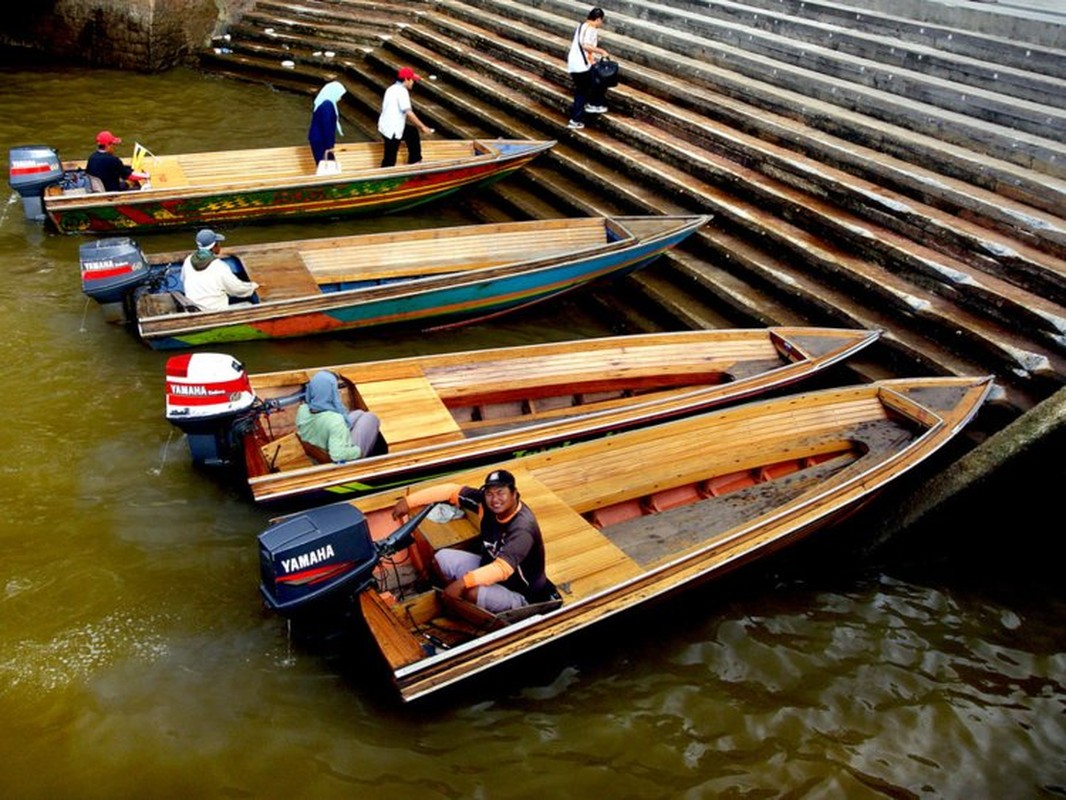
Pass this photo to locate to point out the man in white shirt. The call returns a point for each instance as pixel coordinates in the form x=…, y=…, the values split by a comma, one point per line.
x=208, y=281
x=398, y=121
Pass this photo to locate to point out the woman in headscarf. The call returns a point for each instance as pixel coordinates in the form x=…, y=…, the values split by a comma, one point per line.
x=325, y=120
x=323, y=421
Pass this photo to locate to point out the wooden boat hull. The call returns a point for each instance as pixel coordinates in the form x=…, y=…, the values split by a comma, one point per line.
x=446, y=412
x=461, y=294
x=635, y=516
x=280, y=183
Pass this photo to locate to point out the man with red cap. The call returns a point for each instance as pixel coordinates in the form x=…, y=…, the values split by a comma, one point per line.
x=398, y=121
x=108, y=167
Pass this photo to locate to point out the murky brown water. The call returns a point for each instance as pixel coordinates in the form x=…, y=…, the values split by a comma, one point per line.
x=135, y=658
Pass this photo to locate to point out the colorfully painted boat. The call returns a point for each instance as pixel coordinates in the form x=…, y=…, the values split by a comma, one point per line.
x=441, y=413
x=425, y=278
x=227, y=187
x=625, y=519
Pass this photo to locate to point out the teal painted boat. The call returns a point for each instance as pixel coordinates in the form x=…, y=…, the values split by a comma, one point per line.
x=426, y=278
x=235, y=186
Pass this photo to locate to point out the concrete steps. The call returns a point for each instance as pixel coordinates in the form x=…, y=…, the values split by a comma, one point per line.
x=863, y=169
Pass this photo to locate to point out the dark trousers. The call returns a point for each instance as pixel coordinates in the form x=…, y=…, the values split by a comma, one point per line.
x=414, y=147
x=586, y=92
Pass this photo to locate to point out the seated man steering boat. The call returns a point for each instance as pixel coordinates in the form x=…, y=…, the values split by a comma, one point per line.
x=508, y=571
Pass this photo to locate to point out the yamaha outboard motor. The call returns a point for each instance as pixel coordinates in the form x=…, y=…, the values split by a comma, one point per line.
x=109, y=269
x=31, y=169
x=323, y=556
x=206, y=394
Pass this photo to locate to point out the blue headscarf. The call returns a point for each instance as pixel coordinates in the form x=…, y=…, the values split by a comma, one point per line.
x=331, y=92
x=322, y=393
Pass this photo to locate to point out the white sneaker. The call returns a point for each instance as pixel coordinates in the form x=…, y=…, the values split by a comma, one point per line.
x=596, y=109
x=575, y=125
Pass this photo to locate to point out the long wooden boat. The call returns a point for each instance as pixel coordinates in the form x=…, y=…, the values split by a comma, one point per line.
x=225, y=187
x=625, y=519
x=429, y=277
x=444, y=412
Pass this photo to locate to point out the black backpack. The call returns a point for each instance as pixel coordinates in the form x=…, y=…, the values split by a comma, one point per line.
x=605, y=73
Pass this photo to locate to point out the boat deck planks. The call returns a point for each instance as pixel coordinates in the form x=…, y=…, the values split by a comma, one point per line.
x=413, y=401
x=581, y=560
x=281, y=274
x=398, y=645
x=416, y=254
x=190, y=170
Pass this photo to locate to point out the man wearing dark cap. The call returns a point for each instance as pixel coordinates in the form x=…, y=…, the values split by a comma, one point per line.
x=108, y=167
x=207, y=280
x=398, y=121
x=508, y=570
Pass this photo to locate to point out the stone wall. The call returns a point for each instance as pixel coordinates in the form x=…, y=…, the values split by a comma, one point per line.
x=146, y=35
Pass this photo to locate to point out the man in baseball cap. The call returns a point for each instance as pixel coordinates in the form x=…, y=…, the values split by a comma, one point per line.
x=206, y=239
x=109, y=168
x=208, y=281
x=398, y=121
x=507, y=572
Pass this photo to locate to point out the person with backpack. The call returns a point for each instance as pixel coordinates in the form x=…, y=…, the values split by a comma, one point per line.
x=584, y=52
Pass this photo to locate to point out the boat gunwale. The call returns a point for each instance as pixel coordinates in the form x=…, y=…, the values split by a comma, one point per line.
x=589, y=424
x=158, y=327
x=653, y=583
x=154, y=195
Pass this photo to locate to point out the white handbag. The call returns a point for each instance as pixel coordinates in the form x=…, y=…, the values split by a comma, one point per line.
x=328, y=166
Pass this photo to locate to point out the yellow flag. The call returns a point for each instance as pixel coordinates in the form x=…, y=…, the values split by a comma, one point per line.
x=139, y=152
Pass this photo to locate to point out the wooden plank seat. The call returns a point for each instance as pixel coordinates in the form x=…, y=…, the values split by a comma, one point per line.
x=409, y=409
x=281, y=274
x=285, y=453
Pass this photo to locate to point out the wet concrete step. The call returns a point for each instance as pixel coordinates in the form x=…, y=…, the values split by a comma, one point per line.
x=883, y=60
x=940, y=47
x=760, y=80
x=985, y=339
x=1010, y=258
x=983, y=293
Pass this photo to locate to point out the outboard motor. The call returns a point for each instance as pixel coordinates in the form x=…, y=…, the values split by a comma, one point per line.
x=31, y=169
x=323, y=555
x=206, y=394
x=109, y=269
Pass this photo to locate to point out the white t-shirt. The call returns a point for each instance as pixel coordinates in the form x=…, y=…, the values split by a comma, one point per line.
x=211, y=287
x=585, y=36
x=394, y=107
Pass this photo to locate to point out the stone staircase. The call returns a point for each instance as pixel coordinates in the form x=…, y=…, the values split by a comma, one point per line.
x=863, y=169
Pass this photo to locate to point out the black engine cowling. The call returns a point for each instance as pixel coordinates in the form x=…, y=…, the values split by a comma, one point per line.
x=323, y=554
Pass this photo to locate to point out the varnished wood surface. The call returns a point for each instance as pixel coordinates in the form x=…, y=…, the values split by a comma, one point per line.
x=403, y=264
x=421, y=433
x=856, y=440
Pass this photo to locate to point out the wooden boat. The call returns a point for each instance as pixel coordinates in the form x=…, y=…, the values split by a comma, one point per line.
x=427, y=277
x=221, y=188
x=443, y=412
x=625, y=519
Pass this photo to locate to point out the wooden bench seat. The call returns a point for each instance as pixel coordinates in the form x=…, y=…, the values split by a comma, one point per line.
x=281, y=274
x=285, y=453
x=409, y=409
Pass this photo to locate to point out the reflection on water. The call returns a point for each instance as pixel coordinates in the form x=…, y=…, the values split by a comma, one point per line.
x=135, y=656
